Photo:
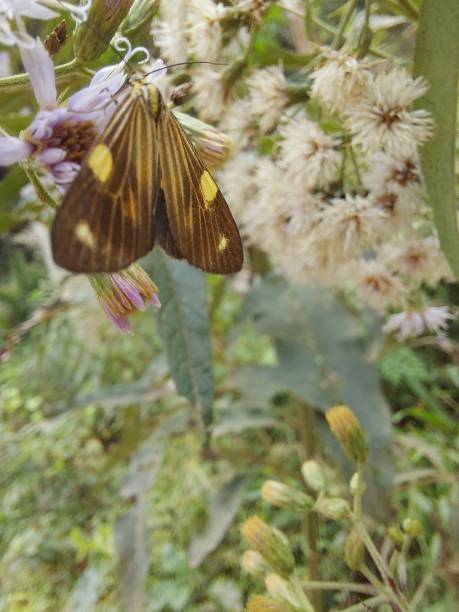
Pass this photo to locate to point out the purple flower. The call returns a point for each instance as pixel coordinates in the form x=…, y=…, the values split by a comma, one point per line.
x=60, y=137
x=124, y=293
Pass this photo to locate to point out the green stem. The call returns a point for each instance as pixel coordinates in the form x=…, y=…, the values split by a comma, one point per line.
x=339, y=38
x=311, y=519
x=355, y=165
x=351, y=587
x=42, y=193
x=368, y=604
x=383, y=570
x=19, y=81
x=409, y=9
x=359, y=491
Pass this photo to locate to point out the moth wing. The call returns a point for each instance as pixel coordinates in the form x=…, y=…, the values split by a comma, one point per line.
x=200, y=220
x=106, y=220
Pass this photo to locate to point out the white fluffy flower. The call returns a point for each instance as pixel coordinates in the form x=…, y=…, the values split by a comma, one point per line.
x=168, y=33
x=339, y=81
x=350, y=225
x=237, y=122
x=209, y=93
x=381, y=119
x=378, y=286
x=268, y=96
x=419, y=259
x=204, y=28
x=307, y=154
x=412, y=323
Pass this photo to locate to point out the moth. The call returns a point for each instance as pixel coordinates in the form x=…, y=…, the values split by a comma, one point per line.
x=143, y=184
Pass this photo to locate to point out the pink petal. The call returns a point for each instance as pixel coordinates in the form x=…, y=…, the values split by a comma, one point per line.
x=13, y=150
x=40, y=67
x=155, y=300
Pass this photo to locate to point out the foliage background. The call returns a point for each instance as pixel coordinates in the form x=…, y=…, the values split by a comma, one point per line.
x=118, y=492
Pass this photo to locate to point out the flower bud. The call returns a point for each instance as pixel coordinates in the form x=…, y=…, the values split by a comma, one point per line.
x=287, y=592
x=396, y=535
x=412, y=527
x=124, y=293
x=254, y=564
x=214, y=146
x=270, y=543
x=334, y=508
x=347, y=430
x=314, y=475
x=354, y=550
x=94, y=35
x=356, y=482
x=261, y=603
x=141, y=13
x=281, y=495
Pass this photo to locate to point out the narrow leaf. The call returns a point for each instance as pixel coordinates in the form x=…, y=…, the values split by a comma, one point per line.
x=184, y=328
x=223, y=508
x=437, y=59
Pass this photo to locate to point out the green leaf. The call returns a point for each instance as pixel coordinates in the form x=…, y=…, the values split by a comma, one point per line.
x=184, y=328
x=322, y=359
x=437, y=59
x=223, y=509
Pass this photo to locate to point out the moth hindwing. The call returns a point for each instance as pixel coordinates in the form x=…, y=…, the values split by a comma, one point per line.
x=142, y=183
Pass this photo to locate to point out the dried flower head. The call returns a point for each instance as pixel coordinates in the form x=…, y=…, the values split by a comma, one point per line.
x=254, y=564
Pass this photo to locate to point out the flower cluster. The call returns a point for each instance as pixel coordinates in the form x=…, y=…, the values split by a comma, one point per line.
x=337, y=197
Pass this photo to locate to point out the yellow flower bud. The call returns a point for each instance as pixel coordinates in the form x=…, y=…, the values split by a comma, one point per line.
x=254, y=564
x=396, y=535
x=314, y=475
x=354, y=550
x=281, y=495
x=94, y=35
x=270, y=543
x=412, y=527
x=287, y=592
x=347, y=430
x=214, y=146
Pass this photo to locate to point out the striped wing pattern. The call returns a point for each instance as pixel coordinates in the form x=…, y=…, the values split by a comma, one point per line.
x=106, y=221
x=202, y=227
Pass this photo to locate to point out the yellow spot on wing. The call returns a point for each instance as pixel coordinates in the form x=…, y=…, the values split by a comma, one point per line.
x=100, y=161
x=209, y=188
x=223, y=243
x=84, y=234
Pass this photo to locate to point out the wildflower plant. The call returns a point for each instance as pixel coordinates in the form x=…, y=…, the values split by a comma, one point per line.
x=329, y=127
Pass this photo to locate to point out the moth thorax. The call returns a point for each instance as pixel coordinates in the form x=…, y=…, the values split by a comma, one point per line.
x=74, y=137
x=154, y=100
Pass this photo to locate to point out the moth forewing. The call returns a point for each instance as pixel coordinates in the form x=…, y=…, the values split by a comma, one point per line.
x=143, y=181
x=106, y=219
x=200, y=220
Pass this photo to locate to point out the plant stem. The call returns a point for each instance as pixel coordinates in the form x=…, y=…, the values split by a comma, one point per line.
x=409, y=9
x=352, y=587
x=355, y=165
x=311, y=519
x=368, y=604
x=19, y=81
x=383, y=570
x=339, y=38
x=359, y=492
